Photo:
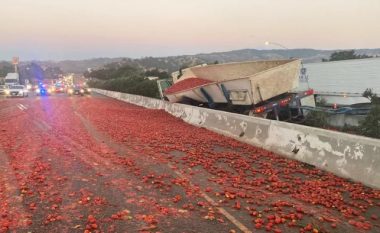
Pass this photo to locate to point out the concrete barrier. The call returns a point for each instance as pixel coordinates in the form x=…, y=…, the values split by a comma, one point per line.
x=345, y=155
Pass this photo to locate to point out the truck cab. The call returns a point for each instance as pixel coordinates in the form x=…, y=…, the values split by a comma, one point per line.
x=12, y=79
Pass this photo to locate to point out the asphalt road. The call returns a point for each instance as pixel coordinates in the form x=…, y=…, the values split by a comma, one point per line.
x=94, y=164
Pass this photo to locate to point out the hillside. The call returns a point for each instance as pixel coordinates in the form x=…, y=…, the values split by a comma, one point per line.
x=173, y=63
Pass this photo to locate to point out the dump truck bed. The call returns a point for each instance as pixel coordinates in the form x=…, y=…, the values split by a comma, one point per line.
x=242, y=83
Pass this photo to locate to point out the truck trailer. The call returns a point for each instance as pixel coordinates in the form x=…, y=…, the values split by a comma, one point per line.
x=257, y=88
x=12, y=79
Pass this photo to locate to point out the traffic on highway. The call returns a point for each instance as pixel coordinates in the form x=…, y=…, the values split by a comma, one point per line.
x=43, y=90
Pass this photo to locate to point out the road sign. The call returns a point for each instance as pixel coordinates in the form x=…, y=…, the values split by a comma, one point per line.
x=15, y=60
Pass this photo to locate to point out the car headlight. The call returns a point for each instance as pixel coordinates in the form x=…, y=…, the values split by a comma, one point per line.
x=71, y=91
x=38, y=90
x=89, y=89
x=7, y=92
x=81, y=91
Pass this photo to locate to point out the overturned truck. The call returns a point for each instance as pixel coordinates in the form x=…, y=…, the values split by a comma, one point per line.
x=260, y=88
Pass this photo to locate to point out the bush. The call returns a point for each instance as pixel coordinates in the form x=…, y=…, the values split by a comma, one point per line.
x=133, y=85
x=369, y=94
x=345, y=55
x=125, y=78
x=157, y=73
x=370, y=127
x=317, y=119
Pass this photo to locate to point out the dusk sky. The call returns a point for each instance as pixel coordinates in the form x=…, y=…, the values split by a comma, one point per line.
x=77, y=29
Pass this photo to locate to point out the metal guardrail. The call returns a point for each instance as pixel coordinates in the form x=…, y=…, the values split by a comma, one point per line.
x=344, y=110
x=343, y=94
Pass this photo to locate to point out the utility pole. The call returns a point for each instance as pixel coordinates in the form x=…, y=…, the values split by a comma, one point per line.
x=15, y=62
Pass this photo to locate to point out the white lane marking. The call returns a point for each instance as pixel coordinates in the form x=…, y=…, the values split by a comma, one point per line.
x=221, y=210
x=21, y=107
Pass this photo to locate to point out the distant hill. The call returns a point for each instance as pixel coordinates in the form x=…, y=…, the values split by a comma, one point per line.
x=173, y=63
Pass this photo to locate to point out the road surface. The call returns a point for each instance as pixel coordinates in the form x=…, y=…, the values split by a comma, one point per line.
x=95, y=164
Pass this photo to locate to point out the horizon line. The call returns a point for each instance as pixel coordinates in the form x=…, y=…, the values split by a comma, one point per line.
x=195, y=54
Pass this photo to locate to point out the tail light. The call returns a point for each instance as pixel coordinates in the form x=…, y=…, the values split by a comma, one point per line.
x=260, y=109
x=284, y=102
x=309, y=92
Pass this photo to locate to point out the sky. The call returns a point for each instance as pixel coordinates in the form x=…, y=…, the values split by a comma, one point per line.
x=79, y=29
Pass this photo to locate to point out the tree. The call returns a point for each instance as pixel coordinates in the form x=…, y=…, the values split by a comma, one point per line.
x=113, y=71
x=36, y=71
x=124, y=78
x=317, y=119
x=371, y=125
x=345, y=55
x=157, y=73
x=32, y=72
x=342, y=55
x=368, y=93
x=5, y=68
x=53, y=72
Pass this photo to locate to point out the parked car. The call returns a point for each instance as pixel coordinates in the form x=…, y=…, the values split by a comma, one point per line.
x=16, y=91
